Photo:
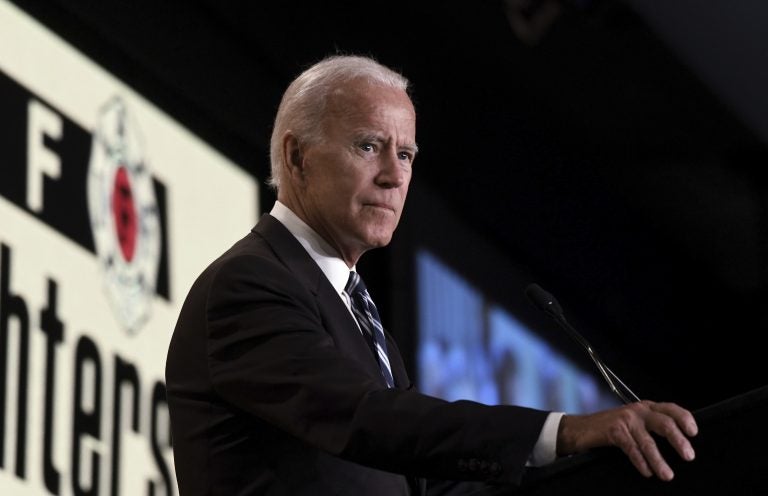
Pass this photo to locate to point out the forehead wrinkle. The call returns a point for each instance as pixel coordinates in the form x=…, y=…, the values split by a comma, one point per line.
x=367, y=118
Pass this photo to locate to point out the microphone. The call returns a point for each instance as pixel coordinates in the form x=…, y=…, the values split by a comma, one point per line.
x=547, y=303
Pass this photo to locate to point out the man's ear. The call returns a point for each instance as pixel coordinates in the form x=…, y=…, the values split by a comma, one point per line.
x=294, y=158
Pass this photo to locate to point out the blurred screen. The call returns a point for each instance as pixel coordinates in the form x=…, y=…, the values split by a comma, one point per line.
x=471, y=348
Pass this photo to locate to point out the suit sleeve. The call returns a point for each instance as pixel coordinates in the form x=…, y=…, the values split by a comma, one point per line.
x=270, y=356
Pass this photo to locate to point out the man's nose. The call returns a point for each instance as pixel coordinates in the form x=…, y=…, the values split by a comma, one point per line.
x=393, y=172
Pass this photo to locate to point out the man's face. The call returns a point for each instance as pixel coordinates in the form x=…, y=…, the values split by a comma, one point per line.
x=356, y=179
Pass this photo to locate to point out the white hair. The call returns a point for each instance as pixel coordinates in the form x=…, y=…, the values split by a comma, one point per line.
x=304, y=104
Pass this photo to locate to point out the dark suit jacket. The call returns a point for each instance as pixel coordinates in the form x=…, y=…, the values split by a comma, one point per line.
x=272, y=389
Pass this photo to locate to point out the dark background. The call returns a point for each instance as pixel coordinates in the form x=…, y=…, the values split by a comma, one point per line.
x=613, y=152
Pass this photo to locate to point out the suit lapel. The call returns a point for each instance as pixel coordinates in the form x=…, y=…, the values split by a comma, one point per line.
x=337, y=319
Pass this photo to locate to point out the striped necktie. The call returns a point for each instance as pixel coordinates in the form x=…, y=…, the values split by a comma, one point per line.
x=368, y=318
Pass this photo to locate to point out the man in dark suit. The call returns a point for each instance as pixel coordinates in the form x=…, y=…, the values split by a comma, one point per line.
x=278, y=382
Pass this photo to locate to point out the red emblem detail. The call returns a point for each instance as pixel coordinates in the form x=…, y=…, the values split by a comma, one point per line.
x=124, y=214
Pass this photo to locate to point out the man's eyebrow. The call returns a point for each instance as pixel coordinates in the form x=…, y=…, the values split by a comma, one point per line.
x=412, y=147
x=369, y=136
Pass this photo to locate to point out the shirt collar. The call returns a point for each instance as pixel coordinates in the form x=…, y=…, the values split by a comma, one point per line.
x=334, y=268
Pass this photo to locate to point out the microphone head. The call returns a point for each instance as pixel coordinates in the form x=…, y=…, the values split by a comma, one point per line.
x=543, y=300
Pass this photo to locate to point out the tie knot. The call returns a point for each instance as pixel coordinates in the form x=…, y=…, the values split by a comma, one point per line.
x=355, y=284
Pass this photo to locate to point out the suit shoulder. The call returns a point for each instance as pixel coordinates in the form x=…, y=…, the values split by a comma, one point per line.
x=251, y=254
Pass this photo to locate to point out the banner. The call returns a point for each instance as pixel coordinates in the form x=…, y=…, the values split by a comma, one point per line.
x=108, y=211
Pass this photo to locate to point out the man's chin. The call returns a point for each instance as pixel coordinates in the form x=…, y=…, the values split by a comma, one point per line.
x=380, y=243
x=379, y=240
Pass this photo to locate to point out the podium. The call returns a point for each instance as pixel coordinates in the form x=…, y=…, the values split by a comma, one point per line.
x=731, y=459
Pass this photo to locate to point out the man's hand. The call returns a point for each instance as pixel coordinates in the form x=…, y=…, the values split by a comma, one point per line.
x=629, y=427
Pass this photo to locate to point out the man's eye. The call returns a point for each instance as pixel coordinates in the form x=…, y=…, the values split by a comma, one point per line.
x=405, y=156
x=368, y=147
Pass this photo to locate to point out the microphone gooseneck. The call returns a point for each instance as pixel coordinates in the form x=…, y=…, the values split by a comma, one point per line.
x=547, y=303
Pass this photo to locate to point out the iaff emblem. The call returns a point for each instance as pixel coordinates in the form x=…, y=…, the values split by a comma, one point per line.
x=124, y=215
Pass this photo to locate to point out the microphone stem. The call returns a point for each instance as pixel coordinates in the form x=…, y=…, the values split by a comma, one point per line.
x=626, y=388
x=606, y=372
